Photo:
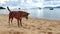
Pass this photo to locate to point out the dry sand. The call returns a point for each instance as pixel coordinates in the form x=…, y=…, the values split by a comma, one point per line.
x=30, y=26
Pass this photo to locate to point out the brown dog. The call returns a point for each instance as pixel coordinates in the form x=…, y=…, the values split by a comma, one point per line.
x=18, y=15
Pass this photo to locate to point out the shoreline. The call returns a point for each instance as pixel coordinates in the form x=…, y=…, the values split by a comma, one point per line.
x=37, y=18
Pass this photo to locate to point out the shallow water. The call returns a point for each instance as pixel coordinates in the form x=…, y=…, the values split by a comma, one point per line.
x=39, y=13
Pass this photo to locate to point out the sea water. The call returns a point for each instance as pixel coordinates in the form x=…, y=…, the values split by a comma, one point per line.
x=38, y=13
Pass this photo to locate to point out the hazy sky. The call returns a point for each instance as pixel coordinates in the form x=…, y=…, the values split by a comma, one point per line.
x=29, y=3
x=52, y=2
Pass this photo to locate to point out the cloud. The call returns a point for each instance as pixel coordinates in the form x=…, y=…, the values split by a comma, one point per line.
x=32, y=3
x=29, y=3
x=13, y=0
x=51, y=0
x=24, y=3
x=51, y=3
x=2, y=1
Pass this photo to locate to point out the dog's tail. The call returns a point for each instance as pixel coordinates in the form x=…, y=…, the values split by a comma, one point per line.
x=8, y=9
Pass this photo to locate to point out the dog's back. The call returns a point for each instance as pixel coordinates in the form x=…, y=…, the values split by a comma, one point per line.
x=18, y=14
x=24, y=14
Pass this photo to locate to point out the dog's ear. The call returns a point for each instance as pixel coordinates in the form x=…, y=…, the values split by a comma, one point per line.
x=28, y=13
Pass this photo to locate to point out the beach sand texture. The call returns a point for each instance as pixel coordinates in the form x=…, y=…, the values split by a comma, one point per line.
x=30, y=26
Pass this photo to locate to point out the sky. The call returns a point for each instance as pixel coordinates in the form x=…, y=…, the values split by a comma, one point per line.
x=52, y=3
x=29, y=3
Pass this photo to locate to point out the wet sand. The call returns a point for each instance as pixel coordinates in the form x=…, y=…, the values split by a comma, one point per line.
x=30, y=26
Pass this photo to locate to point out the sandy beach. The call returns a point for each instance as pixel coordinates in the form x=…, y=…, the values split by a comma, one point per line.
x=30, y=26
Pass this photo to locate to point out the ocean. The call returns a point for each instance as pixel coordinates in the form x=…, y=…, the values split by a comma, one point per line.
x=38, y=13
